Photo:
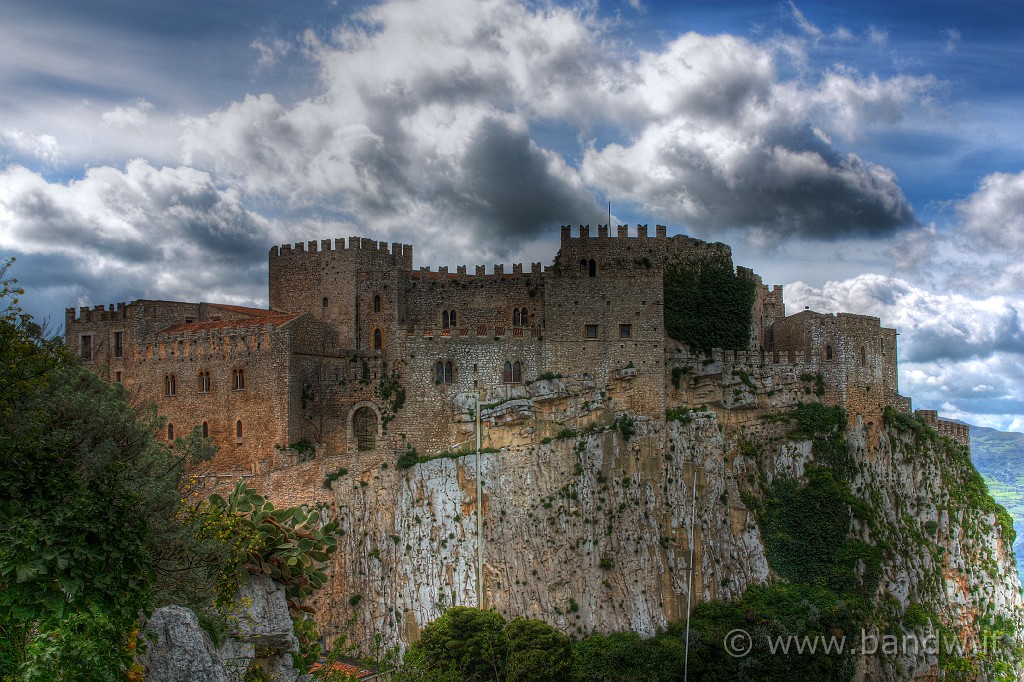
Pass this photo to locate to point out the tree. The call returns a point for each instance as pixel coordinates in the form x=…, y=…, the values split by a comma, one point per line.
x=88, y=500
x=470, y=644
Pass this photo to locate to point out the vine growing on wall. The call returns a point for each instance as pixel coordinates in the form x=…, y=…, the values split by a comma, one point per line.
x=708, y=305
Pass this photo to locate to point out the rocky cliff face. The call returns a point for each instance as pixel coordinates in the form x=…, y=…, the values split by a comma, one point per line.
x=593, y=531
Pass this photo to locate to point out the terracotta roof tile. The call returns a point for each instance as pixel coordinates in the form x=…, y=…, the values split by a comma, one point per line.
x=347, y=668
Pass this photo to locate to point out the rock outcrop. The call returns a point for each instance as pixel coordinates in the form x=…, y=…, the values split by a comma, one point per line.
x=592, y=532
x=260, y=636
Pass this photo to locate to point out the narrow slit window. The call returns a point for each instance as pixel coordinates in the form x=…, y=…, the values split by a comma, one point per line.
x=515, y=317
x=439, y=372
x=170, y=432
x=238, y=429
x=447, y=372
x=206, y=430
x=377, y=340
x=118, y=344
x=444, y=319
x=828, y=352
x=592, y=268
x=376, y=304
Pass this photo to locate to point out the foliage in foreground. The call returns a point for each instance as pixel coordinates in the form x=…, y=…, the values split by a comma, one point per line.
x=97, y=526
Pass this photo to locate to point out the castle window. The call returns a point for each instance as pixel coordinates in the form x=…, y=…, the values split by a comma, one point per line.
x=444, y=319
x=170, y=432
x=515, y=317
x=506, y=374
x=204, y=382
x=376, y=304
x=583, y=264
x=118, y=344
x=443, y=372
x=828, y=352
x=863, y=357
x=238, y=380
x=206, y=430
x=85, y=347
x=517, y=372
x=591, y=331
x=524, y=318
x=323, y=303
x=117, y=377
x=364, y=427
x=453, y=319
x=377, y=340
x=625, y=331
x=592, y=268
x=238, y=429
x=169, y=384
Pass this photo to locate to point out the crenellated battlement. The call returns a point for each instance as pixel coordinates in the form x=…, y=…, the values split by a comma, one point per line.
x=960, y=433
x=621, y=232
x=355, y=243
x=97, y=313
x=480, y=271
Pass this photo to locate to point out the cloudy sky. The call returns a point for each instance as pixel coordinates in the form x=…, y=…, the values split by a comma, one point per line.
x=869, y=156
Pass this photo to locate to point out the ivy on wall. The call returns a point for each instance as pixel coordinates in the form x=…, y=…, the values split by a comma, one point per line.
x=708, y=305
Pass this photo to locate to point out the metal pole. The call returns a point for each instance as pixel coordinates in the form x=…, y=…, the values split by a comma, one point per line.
x=689, y=589
x=479, y=516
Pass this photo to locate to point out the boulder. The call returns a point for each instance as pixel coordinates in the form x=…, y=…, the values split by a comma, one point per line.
x=264, y=620
x=179, y=650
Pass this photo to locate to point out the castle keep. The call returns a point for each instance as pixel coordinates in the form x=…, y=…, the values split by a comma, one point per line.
x=362, y=356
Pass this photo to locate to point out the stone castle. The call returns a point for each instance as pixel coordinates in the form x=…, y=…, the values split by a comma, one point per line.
x=361, y=356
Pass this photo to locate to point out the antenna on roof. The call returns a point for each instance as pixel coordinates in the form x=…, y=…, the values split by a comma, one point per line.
x=609, y=217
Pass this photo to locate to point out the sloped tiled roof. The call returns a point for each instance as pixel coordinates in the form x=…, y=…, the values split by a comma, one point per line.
x=355, y=671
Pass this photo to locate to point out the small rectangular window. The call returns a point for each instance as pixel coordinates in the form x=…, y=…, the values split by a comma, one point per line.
x=591, y=331
x=117, y=377
x=118, y=344
x=86, y=347
x=625, y=331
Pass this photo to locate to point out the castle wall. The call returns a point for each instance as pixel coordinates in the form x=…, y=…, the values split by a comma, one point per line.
x=605, y=314
x=260, y=351
x=855, y=355
x=437, y=416
x=479, y=299
x=961, y=433
x=305, y=276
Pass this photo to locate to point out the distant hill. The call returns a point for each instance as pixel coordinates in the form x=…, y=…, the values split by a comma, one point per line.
x=999, y=457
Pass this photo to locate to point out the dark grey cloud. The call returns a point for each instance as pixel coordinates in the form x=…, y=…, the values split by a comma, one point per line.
x=141, y=232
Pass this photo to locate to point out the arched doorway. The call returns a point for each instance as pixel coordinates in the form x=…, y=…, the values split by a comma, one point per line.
x=364, y=428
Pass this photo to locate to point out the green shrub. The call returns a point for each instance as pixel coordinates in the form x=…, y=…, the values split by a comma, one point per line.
x=708, y=305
